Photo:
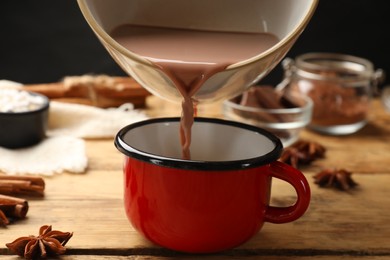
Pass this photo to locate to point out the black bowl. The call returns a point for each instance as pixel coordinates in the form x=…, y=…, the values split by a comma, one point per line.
x=23, y=129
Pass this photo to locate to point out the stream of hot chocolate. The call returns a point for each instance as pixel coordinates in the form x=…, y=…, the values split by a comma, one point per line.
x=189, y=58
x=188, y=104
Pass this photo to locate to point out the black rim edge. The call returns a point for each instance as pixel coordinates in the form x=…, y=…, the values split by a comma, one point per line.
x=199, y=165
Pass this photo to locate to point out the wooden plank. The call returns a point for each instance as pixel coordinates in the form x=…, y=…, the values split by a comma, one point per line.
x=367, y=151
x=336, y=221
x=354, y=225
x=91, y=206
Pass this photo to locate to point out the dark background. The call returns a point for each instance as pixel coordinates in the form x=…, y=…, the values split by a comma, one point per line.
x=45, y=40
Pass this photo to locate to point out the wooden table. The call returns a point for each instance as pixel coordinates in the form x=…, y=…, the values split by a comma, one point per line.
x=338, y=225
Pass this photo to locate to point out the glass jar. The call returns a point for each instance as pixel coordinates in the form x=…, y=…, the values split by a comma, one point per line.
x=341, y=87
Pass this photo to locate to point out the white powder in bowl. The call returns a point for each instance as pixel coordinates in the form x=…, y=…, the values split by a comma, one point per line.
x=16, y=101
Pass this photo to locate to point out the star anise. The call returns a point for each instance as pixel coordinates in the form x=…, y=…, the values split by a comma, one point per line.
x=338, y=178
x=48, y=243
x=293, y=157
x=302, y=152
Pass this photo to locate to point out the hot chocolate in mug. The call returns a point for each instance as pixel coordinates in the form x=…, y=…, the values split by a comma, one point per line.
x=217, y=200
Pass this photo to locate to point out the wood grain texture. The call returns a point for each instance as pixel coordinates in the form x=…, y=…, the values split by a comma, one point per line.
x=338, y=225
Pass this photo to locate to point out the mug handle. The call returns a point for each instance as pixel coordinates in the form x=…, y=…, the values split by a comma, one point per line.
x=293, y=176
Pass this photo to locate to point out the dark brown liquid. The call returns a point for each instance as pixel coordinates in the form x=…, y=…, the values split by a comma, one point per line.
x=190, y=57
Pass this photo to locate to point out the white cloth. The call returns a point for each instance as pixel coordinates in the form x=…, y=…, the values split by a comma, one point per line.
x=64, y=148
x=51, y=156
x=85, y=121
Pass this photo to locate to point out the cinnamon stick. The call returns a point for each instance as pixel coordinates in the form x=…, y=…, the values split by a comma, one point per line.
x=3, y=219
x=12, y=207
x=22, y=185
x=101, y=91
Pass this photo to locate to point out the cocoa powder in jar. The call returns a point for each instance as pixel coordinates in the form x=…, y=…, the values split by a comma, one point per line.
x=340, y=86
x=334, y=104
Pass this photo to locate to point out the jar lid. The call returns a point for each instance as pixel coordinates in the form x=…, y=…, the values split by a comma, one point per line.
x=333, y=66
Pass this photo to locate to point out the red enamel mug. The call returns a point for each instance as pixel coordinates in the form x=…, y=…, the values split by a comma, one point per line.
x=217, y=200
